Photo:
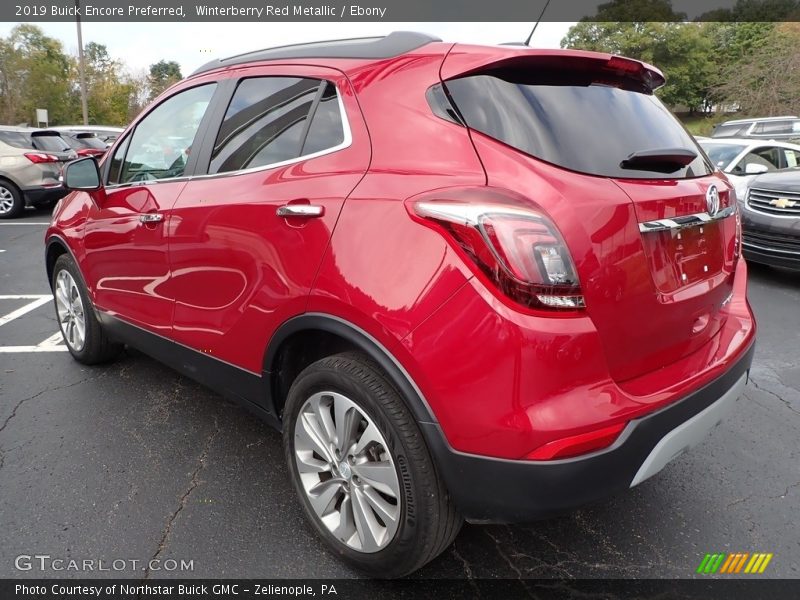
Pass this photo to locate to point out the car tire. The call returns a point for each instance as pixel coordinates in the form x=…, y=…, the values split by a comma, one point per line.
x=347, y=397
x=11, y=201
x=83, y=334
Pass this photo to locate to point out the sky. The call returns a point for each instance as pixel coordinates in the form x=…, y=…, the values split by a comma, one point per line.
x=139, y=45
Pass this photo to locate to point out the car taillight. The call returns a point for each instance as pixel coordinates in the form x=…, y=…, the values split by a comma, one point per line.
x=40, y=157
x=519, y=250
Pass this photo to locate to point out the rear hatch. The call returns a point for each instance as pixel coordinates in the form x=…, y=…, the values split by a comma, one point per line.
x=51, y=142
x=648, y=222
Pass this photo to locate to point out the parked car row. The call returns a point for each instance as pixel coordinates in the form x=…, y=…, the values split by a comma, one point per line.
x=31, y=162
x=765, y=128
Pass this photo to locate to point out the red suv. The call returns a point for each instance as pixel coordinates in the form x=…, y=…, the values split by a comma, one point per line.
x=481, y=283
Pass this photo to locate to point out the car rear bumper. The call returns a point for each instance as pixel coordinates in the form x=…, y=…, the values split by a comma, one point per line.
x=39, y=195
x=508, y=491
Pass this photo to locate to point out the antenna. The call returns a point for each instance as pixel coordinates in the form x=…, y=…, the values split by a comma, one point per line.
x=535, y=25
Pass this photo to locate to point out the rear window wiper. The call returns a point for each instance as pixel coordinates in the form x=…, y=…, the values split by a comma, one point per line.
x=662, y=160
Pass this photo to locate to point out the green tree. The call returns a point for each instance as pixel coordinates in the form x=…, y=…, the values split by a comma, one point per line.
x=162, y=75
x=109, y=92
x=765, y=81
x=36, y=73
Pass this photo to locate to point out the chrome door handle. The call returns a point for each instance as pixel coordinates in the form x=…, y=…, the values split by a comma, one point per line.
x=151, y=218
x=300, y=210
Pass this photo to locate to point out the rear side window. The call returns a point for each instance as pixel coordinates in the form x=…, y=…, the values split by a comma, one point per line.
x=275, y=119
x=16, y=139
x=774, y=127
x=586, y=128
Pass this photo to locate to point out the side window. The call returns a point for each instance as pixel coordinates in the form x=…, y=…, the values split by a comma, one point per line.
x=115, y=168
x=326, y=129
x=773, y=128
x=792, y=158
x=766, y=157
x=267, y=123
x=161, y=143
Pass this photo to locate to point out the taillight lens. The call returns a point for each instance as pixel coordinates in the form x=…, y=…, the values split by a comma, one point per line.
x=40, y=157
x=519, y=250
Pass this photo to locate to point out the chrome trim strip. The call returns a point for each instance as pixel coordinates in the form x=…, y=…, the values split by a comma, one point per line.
x=346, y=142
x=780, y=250
x=685, y=221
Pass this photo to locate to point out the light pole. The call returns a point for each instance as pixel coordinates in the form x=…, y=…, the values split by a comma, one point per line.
x=81, y=66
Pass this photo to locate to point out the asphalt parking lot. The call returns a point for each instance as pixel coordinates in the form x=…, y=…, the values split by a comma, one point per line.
x=132, y=461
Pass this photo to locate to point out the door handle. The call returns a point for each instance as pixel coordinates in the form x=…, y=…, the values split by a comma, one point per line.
x=151, y=218
x=300, y=210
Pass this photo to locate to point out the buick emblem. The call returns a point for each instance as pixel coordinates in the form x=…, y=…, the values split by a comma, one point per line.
x=712, y=200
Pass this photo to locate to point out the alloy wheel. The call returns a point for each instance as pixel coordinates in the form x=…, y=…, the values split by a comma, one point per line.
x=347, y=472
x=6, y=200
x=71, y=315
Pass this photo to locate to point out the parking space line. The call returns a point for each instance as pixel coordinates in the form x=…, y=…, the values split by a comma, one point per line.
x=21, y=349
x=18, y=224
x=40, y=301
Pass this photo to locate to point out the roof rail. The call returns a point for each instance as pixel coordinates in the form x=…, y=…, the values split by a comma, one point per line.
x=394, y=44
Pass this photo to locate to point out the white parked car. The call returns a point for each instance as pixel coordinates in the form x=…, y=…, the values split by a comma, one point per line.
x=743, y=159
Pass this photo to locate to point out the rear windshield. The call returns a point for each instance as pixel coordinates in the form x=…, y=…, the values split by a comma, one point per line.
x=50, y=143
x=90, y=141
x=730, y=130
x=589, y=128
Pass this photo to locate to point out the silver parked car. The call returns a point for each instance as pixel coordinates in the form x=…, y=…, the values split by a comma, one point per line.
x=744, y=159
x=30, y=168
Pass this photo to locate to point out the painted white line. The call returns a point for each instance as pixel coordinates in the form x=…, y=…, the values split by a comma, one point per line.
x=20, y=349
x=53, y=340
x=29, y=223
x=2, y=250
x=23, y=296
x=42, y=300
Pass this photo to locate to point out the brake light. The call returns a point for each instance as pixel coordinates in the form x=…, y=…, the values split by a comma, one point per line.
x=619, y=63
x=519, y=250
x=40, y=157
x=578, y=444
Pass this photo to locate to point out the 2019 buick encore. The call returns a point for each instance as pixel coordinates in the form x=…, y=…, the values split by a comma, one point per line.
x=466, y=282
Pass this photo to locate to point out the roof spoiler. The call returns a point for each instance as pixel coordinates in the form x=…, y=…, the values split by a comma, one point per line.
x=551, y=64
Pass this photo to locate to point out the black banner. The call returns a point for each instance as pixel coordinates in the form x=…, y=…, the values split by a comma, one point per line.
x=399, y=10
x=342, y=589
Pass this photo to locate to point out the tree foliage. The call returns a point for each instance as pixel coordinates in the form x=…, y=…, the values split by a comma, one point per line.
x=162, y=75
x=36, y=72
x=766, y=80
x=702, y=61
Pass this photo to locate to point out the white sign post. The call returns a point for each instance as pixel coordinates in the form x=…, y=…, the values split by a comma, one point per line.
x=41, y=117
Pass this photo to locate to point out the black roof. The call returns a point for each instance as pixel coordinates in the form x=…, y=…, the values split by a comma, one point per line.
x=394, y=44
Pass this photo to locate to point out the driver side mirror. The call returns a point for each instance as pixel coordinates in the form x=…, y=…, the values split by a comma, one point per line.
x=755, y=169
x=82, y=174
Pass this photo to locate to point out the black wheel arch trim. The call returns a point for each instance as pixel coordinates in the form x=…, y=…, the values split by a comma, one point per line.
x=57, y=239
x=365, y=342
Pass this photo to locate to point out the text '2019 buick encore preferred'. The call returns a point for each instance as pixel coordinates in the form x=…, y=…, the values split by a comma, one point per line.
x=481, y=283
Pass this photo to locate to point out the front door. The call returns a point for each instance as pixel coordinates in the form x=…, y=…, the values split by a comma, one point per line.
x=125, y=241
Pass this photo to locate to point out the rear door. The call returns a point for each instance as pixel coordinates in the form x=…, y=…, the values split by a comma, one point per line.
x=246, y=239
x=648, y=221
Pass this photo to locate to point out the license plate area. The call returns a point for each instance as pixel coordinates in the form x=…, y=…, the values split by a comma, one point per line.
x=682, y=257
